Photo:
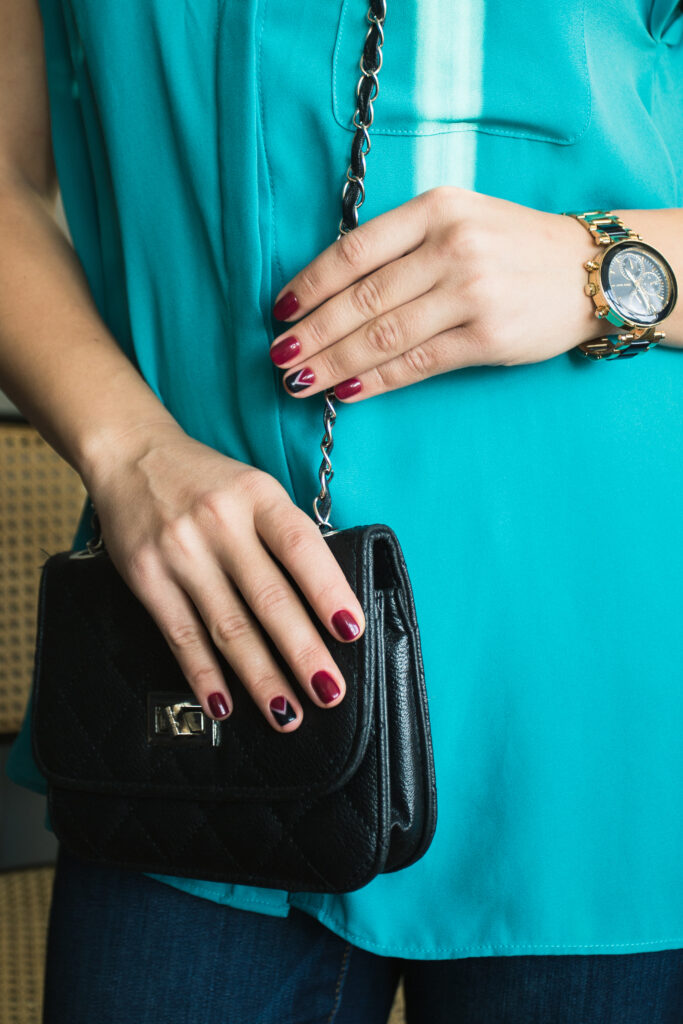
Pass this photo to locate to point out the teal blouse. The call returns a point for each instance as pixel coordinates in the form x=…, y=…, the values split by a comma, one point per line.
x=201, y=147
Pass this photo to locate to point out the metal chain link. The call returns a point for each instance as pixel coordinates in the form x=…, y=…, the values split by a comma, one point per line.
x=353, y=197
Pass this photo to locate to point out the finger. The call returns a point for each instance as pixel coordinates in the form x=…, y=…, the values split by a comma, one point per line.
x=353, y=255
x=449, y=350
x=382, y=339
x=277, y=607
x=392, y=285
x=185, y=634
x=237, y=634
x=295, y=540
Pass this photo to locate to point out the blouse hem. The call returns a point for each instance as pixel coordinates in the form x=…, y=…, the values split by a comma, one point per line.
x=491, y=949
x=417, y=952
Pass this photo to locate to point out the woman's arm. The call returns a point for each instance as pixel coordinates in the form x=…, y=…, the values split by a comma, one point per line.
x=58, y=362
x=449, y=279
x=190, y=530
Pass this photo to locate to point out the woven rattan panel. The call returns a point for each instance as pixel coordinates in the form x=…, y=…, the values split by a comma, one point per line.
x=24, y=909
x=41, y=498
x=398, y=1015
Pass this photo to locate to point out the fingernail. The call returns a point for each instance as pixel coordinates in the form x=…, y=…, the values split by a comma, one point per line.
x=345, y=624
x=348, y=387
x=285, y=350
x=325, y=687
x=218, y=706
x=283, y=712
x=300, y=380
x=287, y=305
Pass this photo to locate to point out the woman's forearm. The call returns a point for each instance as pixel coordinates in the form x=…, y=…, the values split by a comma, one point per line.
x=59, y=363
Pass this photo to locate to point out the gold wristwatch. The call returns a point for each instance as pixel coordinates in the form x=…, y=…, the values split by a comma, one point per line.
x=631, y=284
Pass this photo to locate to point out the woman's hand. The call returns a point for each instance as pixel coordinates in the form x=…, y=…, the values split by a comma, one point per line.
x=195, y=535
x=451, y=278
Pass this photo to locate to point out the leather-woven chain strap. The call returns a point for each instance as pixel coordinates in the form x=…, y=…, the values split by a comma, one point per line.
x=353, y=197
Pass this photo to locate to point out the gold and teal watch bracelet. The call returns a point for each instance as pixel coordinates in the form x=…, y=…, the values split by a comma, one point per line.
x=604, y=227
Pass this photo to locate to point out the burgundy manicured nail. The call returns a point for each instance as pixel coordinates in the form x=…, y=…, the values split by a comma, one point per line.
x=283, y=712
x=285, y=306
x=325, y=687
x=219, y=709
x=285, y=350
x=345, y=624
x=348, y=387
x=300, y=380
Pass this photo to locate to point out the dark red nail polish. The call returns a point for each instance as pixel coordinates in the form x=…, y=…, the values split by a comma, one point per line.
x=287, y=305
x=218, y=706
x=325, y=687
x=300, y=380
x=285, y=350
x=345, y=624
x=283, y=712
x=348, y=387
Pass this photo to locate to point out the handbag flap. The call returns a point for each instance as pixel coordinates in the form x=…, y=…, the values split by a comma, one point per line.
x=104, y=675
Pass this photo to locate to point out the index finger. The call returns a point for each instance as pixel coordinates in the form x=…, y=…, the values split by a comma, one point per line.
x=379, y=240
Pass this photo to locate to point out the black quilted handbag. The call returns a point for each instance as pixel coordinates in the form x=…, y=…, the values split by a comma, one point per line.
x=140, y=777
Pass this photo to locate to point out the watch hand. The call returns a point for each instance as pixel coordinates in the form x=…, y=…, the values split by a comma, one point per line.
x=645, y=297
x=635, y=283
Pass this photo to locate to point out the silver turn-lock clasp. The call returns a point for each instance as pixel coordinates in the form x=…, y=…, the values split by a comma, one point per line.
x=174, y=720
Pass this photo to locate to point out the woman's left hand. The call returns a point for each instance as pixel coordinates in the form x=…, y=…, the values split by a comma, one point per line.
x=449, y=279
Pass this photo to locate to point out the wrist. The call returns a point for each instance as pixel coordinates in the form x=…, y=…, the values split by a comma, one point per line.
x=113, y=445
x=580, y=319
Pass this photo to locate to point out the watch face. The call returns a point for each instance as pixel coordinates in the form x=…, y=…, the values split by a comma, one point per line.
x=638, y=283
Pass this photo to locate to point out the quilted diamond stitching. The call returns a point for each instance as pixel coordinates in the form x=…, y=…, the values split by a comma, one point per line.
x=166, y=756
x=266, y=807
x=285, y=829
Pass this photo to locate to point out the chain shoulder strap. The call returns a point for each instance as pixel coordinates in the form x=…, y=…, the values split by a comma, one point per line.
x=353, y=197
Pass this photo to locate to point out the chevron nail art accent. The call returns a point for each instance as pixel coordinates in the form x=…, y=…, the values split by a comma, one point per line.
x=283, y=712
x=300, y=380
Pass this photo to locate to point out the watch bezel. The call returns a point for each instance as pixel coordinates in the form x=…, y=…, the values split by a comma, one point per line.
x=599, y=286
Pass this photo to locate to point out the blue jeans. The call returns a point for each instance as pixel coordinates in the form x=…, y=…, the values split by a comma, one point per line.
x=127, y=949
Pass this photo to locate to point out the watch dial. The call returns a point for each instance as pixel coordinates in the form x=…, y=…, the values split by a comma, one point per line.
x=638, y=284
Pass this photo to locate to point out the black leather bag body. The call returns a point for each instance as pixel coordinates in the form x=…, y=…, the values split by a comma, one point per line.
x=139, y=777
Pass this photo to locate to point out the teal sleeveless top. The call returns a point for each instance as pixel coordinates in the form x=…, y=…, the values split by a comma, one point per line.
x=202, y=147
